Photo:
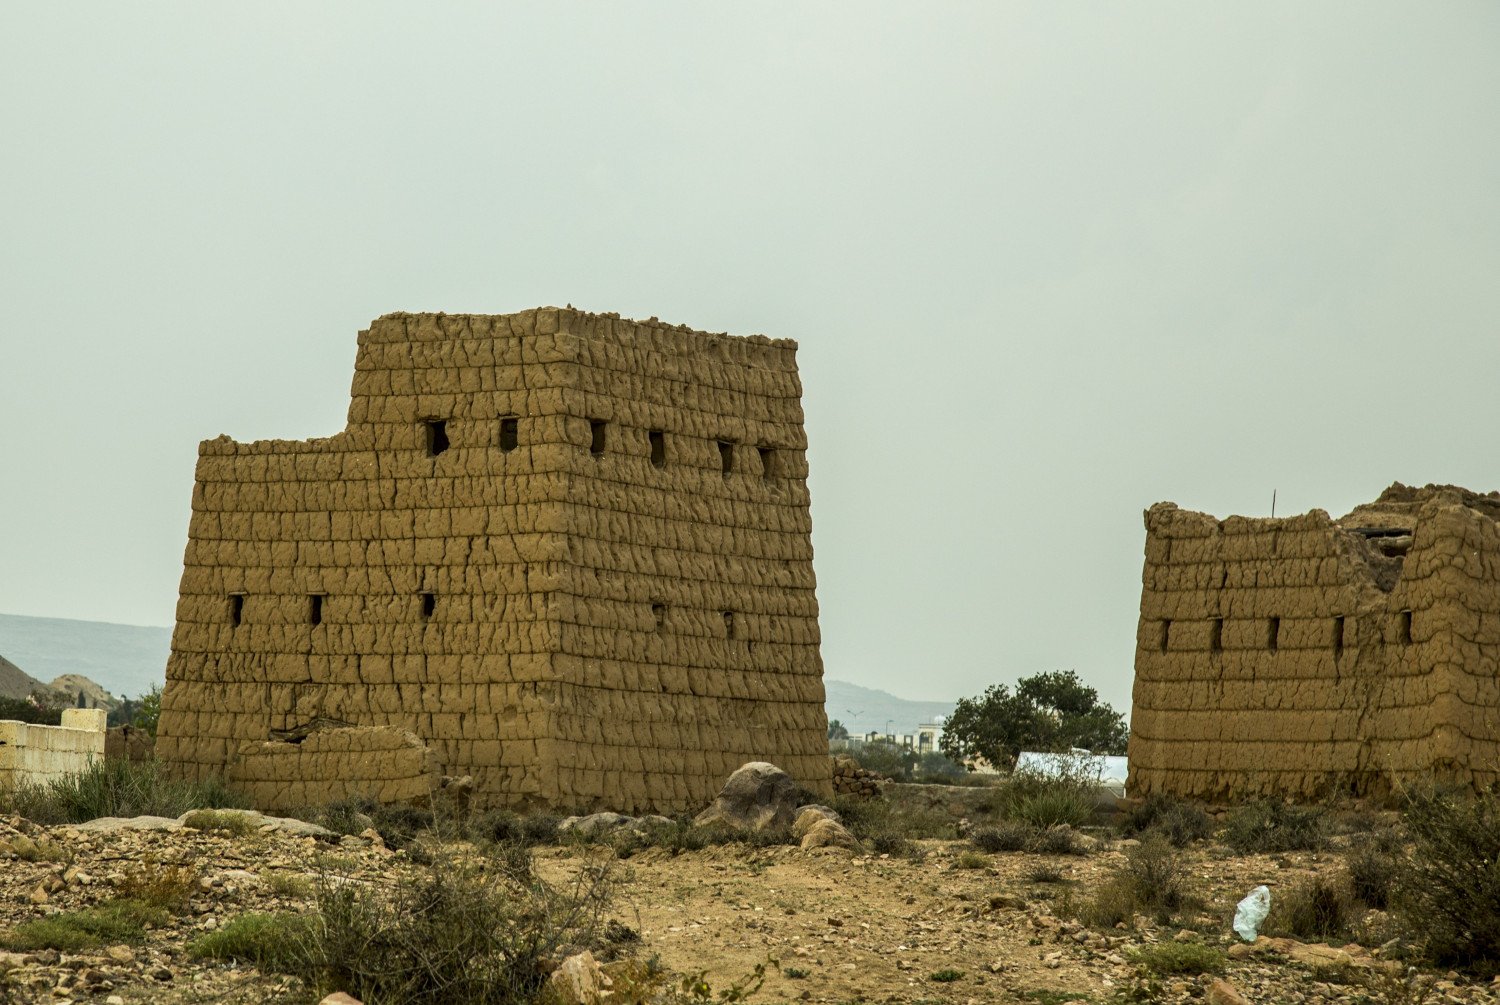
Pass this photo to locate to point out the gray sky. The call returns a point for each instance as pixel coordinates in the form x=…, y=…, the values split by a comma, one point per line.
x=1048, y=263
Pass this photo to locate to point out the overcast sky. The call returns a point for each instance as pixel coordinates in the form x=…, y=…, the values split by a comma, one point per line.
x=1048, y=264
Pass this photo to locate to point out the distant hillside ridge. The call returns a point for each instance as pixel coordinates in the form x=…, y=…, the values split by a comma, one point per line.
x=15, y=682
x=122, y=659
x=865, y=709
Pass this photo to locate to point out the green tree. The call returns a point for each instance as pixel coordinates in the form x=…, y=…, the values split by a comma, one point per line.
x=148, y=709
x=1052, y=711
x=837, y=730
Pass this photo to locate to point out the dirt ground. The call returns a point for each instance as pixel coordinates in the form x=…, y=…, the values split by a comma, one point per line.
x=947, y=925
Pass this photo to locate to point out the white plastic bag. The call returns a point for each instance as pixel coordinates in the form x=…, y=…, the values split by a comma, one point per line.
x=1251, y=913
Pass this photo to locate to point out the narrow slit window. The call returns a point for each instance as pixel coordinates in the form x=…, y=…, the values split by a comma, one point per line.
x=1406, y=628
x=1166, y=634
x=659, y=615
x=1338, y=636
x=1216, y=635
x=437, y=436
x=1273, y=634
x=429, y=605
x=658, y=448
x=236, y=609
x=729, y=624
x=597, y=428
x=726, y=457
x=510, y=433
x=315, y=609
x=768, y=463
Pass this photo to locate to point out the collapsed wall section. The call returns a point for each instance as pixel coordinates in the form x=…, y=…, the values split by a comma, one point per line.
x=1294, y=656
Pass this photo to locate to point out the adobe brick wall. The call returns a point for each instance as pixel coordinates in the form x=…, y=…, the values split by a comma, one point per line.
x=1293, y=656
x=387, y=764
x=615, y=621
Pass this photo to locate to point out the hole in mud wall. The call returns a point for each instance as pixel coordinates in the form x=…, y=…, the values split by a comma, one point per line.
x=729, y=624
x=437, y=436
x=658, y=448
x=726, y=457
x=1405, y=625
x=510, y=433
x=659, y=615
x=236, y=609
x=315, y=608
x=1338, y=636
x=597, y=428
x=1273, y=634
x=1166, y=635
x=429, y=605
x=1216, y=635
x=768, y=463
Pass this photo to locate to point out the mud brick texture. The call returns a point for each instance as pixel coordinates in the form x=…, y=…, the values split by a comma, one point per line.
x=1298, y=656
x=568, y=552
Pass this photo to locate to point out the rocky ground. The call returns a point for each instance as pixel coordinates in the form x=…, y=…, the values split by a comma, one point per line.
x=942, y=924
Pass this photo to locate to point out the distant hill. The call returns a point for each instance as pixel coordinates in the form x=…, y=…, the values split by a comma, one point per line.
x=862, y=709
x=15, y=682
x=122, y=659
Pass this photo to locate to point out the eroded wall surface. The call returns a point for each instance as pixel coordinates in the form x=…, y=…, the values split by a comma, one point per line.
x=525, y=550
x=1300, y=655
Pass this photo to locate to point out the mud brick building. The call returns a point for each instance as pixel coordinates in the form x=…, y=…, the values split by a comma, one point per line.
x=1301, y=655
x=566, y=554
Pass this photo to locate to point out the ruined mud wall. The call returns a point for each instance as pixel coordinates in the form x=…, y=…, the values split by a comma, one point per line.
x=1293, y=656
x=489, y=557
x=386, y=764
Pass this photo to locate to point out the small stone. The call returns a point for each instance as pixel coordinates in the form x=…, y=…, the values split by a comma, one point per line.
x=121, y=954
x=38, y=896
x=1221, y=992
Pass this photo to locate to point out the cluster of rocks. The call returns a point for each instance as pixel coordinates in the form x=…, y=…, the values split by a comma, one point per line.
x=849, y=779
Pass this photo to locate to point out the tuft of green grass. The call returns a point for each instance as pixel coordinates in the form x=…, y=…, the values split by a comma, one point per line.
x=945, y=976
x=221, y=822
x=1152, y=881
x=971, y=860
x=1318, y=907
x=795, y=973
x=167, y=887
x=1004, y=836
x=113, y=788
x=114, y=921
x=1166, y=958
x=290, y=886
x=1180, y=822
x=272, y=942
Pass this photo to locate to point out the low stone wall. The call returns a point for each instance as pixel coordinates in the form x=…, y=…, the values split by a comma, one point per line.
x=387, y=764
x=849, y=779
x=39, y=754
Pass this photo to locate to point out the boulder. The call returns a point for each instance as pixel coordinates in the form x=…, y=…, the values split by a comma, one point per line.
x=594, y=824
x=827, y=833
x=759, y=796
x=1221, y=992
x=578, y=980
x=808, y=817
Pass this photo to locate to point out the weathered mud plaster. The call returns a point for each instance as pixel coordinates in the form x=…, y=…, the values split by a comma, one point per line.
x=1298, y=655
x=567, y=552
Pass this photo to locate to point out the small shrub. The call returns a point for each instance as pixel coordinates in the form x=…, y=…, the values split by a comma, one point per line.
x=1180, y=822
x=1004, y=836
x=113, y=921
x=503, y=826
x=795, y=973
x=113, y=788
x=946, y=976
x=1044, y=874
x=1152, y=881
x=35, y=709
x=273, y=942
x=1268, y=827
x=220, y=822
x=971, y=860
x=1374, y=863
x=1060, y=840
x=1449, y=887
x=1318, y=907
x=1067, y=795
x=1167, y=958
x=289, y=885
x=168, y=887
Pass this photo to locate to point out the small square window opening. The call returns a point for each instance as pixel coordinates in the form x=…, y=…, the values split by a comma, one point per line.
x=726, y=457
x=597, y=429
x=510, y=433
x=437, y=436
x=658, y=448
